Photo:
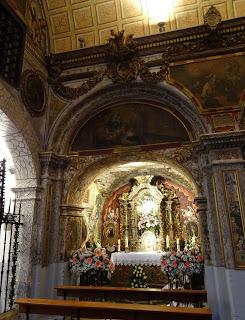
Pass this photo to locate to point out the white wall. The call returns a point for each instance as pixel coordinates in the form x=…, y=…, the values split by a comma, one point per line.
x=226, y=292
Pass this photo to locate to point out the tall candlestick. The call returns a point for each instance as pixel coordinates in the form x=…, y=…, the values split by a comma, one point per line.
x=126, y=242
x=178, y=246
x=119, y=245
x=167, y=241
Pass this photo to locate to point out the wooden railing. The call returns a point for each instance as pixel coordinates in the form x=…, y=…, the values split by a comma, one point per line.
x=110, y=310
x=121, y=294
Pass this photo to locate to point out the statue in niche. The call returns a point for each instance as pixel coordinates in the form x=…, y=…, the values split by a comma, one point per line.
x=192, y=230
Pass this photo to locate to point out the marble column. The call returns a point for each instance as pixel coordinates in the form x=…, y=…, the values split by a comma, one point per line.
x=48, y=269
x=221, y=159
x=27, y=252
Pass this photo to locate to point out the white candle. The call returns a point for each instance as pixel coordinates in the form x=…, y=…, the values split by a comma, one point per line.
x=167, y=241
x=177, y=242
x=118, y=245
x=193, y=240
x=126, y=242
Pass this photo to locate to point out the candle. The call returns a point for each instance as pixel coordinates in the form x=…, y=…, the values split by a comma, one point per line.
x=118, y=245
x=126, y=242
x=193, y=240
x=177, y=242
x=167, y=241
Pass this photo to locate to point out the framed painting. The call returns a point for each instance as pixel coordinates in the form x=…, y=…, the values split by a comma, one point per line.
x=216, y=83
x=130, y=124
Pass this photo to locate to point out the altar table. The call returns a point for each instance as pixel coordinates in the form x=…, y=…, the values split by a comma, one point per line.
x=134, y=258
x=124, y=266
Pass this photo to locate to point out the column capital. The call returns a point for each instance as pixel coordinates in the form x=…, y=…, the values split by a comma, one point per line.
x=28, y=193
x=224, y=140
x=72, y=211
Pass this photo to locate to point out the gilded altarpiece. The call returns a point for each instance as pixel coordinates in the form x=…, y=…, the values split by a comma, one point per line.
x=236, y=215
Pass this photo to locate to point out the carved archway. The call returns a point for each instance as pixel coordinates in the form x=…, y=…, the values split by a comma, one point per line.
x=20, y=138
x=162, y=95
x=84, y=177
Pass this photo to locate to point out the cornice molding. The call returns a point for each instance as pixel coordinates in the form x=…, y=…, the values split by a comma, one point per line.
x=184, y=44
x=53, y=160
x=224, y=140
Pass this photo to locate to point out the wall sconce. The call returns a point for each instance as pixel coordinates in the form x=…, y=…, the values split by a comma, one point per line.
x=81, y=42
x=161, y=26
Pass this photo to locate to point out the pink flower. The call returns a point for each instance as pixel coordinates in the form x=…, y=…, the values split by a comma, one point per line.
x=164, y=263
x=98, y=253
x=89, y=260
x=111, y=267
x=200, y=258
x=187, y=264
x=174, y=263
x=74, y=260
x=98, y=264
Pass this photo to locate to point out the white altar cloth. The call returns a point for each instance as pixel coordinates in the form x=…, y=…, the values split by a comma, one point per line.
x=133, y=258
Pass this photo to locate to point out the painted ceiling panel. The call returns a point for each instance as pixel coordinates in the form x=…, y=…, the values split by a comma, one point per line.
x=92, y=20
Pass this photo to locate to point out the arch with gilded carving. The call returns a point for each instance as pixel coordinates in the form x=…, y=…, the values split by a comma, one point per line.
x=162, y=95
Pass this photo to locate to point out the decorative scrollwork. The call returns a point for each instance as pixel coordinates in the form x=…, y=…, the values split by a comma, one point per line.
x=73, y=93
x=123, y=66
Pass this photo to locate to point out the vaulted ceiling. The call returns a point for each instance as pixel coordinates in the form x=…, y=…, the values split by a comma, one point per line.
x=92, y=20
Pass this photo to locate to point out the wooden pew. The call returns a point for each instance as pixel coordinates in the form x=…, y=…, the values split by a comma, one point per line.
x=110, y=310
x=115, y=294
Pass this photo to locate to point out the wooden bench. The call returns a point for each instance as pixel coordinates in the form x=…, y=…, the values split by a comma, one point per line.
x=109, y=310
x=115, y=294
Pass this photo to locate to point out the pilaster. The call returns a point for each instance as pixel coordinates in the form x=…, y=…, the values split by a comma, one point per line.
x=29, y=197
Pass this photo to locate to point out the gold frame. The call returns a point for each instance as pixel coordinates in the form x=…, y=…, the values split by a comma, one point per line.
x=239, y=199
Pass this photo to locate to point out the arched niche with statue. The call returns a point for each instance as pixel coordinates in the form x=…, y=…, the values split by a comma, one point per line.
x=144, y=202
x=149, y=215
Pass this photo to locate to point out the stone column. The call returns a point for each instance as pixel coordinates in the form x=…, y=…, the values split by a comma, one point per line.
x=201, y=204
x=27, y=253
x=49, y=268
x=222, y=162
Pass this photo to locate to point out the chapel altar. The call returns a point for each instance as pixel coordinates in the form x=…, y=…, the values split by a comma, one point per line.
x=136, y=258
x=126, y=261
x=148, y=215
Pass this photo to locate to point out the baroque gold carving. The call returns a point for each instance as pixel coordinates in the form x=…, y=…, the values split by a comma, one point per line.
x=73, y=93
x=212, y=17
x=123, y=66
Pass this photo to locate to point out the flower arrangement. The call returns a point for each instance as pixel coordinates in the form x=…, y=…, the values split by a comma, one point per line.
x=148, y=220
x=187, y=262
x=86, y=259
x=138, y=279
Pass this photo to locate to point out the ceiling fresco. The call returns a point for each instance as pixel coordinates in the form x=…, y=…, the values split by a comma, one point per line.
x=116, y=176
x=91, y=20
